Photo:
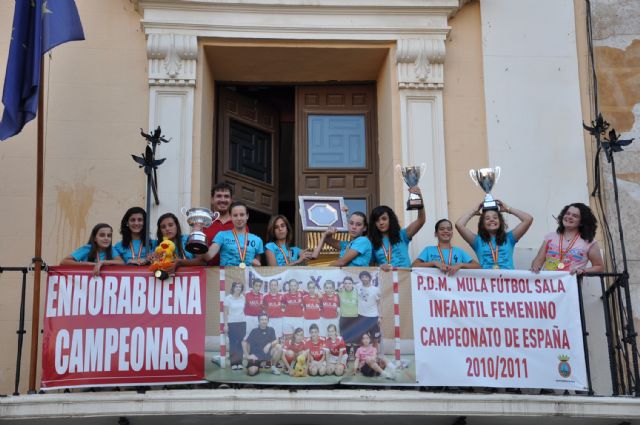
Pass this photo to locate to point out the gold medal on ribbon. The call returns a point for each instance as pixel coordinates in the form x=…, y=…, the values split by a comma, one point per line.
x=494, y=254
x=242, y=253
x=562, y=265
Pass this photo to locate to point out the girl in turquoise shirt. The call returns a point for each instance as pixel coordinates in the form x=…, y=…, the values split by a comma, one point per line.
x=357, y=252
x=133, y=247
x=278, y=250
x=97, y=252
x=237, y=247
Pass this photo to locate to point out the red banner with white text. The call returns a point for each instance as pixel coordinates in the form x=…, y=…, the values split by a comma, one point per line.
x=123, y=327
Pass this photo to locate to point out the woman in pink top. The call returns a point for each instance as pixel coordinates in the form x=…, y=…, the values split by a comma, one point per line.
x=367, y=361
x=572, y=246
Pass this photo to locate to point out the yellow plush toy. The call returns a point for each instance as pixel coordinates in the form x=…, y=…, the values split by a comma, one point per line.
x=299, y=369
x=164, y=258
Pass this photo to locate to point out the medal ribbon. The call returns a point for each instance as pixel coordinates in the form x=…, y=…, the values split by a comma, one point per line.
x=284, y=253
x=242, y=253
x=494, y=252
x=387, y=254
x=573, y=241
x=442, y=256
x=133, y=255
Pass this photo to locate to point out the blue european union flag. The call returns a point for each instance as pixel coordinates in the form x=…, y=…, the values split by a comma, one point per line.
x=38, y=26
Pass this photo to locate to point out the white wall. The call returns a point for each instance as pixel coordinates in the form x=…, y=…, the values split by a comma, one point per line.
x=533, y=110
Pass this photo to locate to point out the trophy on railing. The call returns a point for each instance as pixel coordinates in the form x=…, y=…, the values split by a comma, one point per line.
x=411, y=176
x=486, y=178
x=198, y=219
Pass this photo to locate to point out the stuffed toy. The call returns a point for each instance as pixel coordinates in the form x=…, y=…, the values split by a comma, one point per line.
x=299, y=369
x=163, y=259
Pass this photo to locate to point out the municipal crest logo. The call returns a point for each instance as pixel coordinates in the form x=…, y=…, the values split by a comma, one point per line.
x=564, y=368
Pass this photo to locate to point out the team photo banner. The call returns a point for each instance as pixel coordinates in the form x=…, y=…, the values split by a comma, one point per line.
x=498, y=328
x=314, y=329
x=123, y=327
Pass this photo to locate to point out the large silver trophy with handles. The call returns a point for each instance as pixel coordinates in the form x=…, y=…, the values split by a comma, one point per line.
x=486, y=178
x=411, y=176
x=198, y=219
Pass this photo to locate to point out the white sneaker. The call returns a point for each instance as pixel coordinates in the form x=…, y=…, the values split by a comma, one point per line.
x=388, y=375
x=275, y=371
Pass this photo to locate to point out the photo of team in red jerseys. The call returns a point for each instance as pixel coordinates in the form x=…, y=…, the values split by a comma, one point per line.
x=292, y=328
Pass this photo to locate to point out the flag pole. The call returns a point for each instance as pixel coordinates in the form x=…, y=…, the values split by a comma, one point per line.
x=37, y=260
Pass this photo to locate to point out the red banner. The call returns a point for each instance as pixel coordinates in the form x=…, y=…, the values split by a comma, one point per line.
x=124, y=327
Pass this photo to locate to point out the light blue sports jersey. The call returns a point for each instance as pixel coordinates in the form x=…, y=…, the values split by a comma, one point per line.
x=82, y=254
x=293, y=252
x=505, y=252
x=229, y=255
x=399, y=251
x=362, y=244
x=125, y=251
x=458, y=256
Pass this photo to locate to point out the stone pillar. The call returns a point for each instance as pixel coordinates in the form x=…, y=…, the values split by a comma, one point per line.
x=172, y=79
x=420, y=83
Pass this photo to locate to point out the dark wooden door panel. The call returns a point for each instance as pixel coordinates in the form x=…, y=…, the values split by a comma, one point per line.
x=248, y=150
x=336, y=144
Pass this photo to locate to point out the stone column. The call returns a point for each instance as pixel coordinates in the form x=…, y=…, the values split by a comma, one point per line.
x=172, y=79
x=420, y=83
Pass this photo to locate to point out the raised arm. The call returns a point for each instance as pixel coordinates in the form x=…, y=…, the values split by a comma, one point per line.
x=525, y=220
x=461, y=225
x=327, y=237
x=417, y=224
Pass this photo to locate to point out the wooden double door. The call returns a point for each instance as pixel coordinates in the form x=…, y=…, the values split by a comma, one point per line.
x=276, y=144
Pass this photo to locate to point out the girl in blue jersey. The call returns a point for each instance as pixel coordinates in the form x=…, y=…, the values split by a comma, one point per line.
x=237, y=247
x=390, y=242
x=97, y=252
x=278, y=250
x=169, y=227
x=357, y=251
x=493, y=245
x=449, y=259
x=133, y=247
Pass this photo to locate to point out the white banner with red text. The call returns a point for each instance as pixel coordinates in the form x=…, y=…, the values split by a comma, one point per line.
x=498, y=328
x=123, y=327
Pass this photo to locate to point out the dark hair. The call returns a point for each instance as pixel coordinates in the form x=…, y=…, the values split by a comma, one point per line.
x=329, y=282
x=394, y=226
x=348, y=278
x=364, y=218
x=238, y=204
x=588, y=221
x=125, y=231
x=442, y=220
x=271, y=234
x=234, y=285
x=178, y=239
x=366, y=334
x=222, y=187
x=501, y=234
x=263, y=314
x=295, y=331
x=314, y=326
x=93, y=255
x=364, y=273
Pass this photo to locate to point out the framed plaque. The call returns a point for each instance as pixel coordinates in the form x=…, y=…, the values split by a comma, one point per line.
x=320, y=212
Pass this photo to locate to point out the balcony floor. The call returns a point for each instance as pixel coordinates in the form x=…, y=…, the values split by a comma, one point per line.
x=283, y=406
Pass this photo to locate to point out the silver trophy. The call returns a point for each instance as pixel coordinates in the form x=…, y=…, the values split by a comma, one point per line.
x=198, y=219
x=486, y=178
x=411, y=176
